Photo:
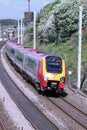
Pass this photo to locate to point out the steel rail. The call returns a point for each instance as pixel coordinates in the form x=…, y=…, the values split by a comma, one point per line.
x=72, y=111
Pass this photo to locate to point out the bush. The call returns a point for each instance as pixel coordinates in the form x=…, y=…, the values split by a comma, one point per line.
x=62, y=19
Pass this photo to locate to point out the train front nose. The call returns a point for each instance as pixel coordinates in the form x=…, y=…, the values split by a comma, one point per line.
x=52, y=83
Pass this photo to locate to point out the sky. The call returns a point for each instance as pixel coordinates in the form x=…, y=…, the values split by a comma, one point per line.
x=16, y=8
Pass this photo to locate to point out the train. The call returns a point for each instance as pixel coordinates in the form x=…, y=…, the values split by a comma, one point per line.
x=46, y=71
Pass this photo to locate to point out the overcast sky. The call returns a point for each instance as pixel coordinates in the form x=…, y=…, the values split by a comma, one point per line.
x=16, y=8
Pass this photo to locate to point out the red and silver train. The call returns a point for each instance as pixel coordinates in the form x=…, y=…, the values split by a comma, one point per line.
x=46, y=71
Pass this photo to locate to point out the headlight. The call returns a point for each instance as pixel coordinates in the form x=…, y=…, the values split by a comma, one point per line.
x=46, y=78
x=62, y=79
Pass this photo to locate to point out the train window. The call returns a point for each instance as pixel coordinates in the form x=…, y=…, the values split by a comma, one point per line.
x=53, y=64
x=31, y=64
x=12, y=51
x=19, y=56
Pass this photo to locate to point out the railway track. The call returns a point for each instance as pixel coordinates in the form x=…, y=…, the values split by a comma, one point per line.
x=30, y=111
x=77, y=115
x=71, y=110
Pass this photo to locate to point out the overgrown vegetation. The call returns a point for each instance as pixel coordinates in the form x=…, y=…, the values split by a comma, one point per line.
x=7, y=22
x=61, y=21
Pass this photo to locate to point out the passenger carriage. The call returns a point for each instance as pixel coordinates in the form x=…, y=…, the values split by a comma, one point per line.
x=46, y=71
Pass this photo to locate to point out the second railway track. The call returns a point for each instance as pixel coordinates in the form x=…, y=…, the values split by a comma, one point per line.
x=74, y=112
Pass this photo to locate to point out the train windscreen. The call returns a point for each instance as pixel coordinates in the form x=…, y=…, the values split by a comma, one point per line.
x=53, y=64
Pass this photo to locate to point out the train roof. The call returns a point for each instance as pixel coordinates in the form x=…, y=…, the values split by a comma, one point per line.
x=37, y=54
x=29, y=51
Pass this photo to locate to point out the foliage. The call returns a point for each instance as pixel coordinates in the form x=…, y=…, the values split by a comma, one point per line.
x=84, y=37
x=43, y=14
x=73, y=42
x=7, y=22
x=44, y=21
x=66, y=19
x=58, y=21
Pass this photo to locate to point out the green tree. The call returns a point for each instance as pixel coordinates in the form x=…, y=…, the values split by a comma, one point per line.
x=62, y=19
x=66, y=19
